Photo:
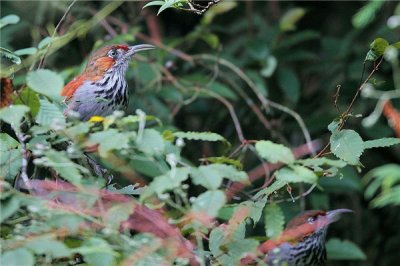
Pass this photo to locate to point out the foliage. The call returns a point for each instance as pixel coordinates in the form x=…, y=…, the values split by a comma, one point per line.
x=185, y=176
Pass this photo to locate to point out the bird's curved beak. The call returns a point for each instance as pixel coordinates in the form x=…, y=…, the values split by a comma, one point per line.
x=334, y=215
x=138, y=48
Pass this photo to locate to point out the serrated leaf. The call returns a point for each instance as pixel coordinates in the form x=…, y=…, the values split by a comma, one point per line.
x=204, y=136
x=64, y=166
x=383, y=142
x=347, y=145
x=49, y=114
x=29, y=98
x=334, y=125
x=19, y=256
x=224, y=160
x=117, y=214
x=343, y=250
x=13, y=115
x=11, y=158
x=170, y=180
x=109, y=140
x=151, y=142
x=127, y=190
x=210, y=176
x=256, y=209
x=97, y=251
x=273, y=220
x=46, y=82
x=296, y=174
x=273, y=152
x=9, y=19
x=322, y=161
x=278, y=184
x=209, y=202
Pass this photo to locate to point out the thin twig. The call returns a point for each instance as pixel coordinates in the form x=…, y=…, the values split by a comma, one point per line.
x=41, y=63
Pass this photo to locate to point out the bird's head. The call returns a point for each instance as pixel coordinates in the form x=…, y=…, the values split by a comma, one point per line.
x=114, y=57
x=316, y=218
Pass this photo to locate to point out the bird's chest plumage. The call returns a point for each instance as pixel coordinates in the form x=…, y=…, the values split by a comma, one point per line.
x=309, y=252
x=101, y=97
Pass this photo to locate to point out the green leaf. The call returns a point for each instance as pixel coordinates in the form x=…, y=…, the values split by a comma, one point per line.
x=224, y=160
x=383, y=142
x=215, y=10
x=127, y=190
x=289, y=83
x=46, y=82
x=154, y=3
x=209, y=202
x=290, y=18
x=117, y=214
x=167, y=4
x=26, y=51
x=278, y=184
x=256, y=209
x=204, y=136
x=347, y=145
x=8, y=207
x=210, y=176
x=50, y=247
x=45, y=42
x=322, y=161
x=273, y=152
x=29, y=98
x=151, y=142
x=270, y=65
x=170, y=180
x=273, y=220
x=11, y=158
x=19, y=256
x=296, y=174
x=367, y=14
x=13, y=115
x=343, y=250
x=14, y=58
x=9, y=19
x=97, y=251
x=109, y=140
x=377, y=49
x=63, y=165
x=211, y=39
x=49, y=114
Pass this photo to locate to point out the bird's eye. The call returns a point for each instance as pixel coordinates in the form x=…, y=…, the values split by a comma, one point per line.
x=311, y=220
x=112, y=53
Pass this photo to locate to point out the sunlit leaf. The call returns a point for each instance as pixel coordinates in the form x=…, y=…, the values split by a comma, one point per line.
x=273, y=220
x=273, y=152
x=347, y=145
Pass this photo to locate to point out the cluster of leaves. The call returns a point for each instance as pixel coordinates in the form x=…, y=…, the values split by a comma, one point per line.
x=85, y=220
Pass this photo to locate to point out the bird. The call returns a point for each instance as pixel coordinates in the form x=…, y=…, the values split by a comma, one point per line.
x=302, y=243
x=101, y=88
